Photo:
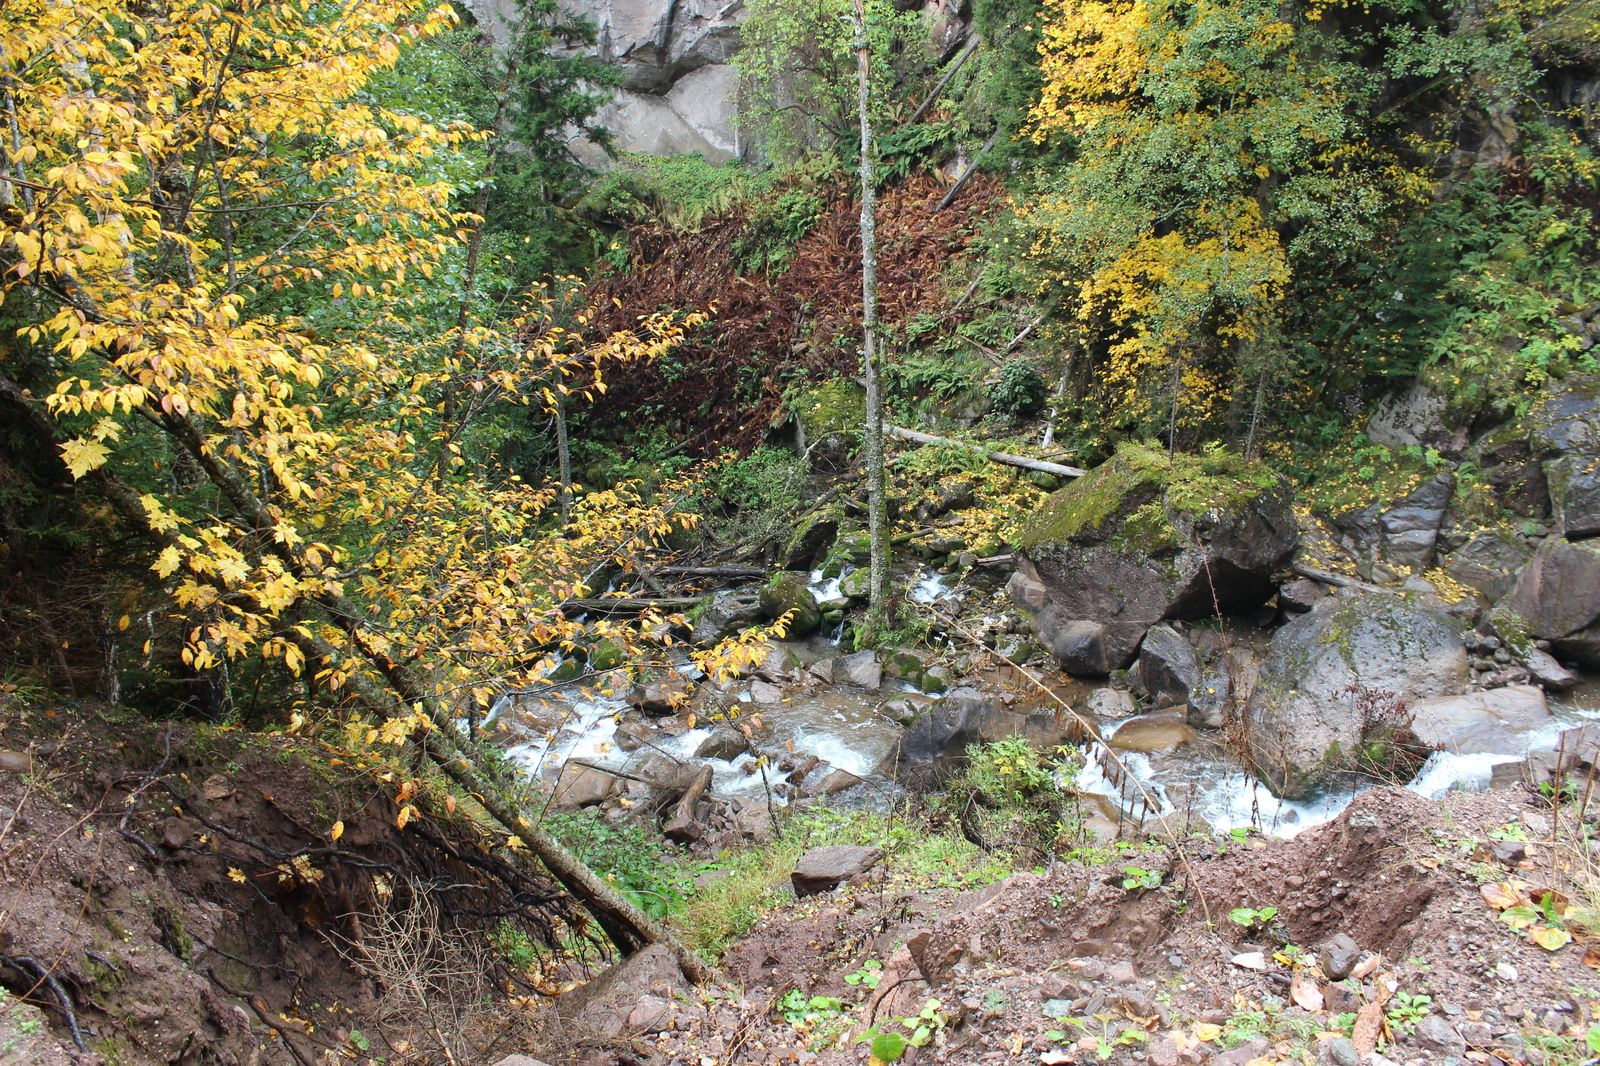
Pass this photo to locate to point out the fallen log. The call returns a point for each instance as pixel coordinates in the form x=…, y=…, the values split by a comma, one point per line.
x=624, y=604
x=732, y=572
x=994, y=457
x=683, y=829
x=1338, y=581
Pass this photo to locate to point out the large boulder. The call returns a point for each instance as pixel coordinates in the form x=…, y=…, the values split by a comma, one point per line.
x=1558, y=596
x=1496, y=721
x=722, y=615
x=1334, y=678
x=787, y=592
x=1168, y=671
x=1488, y=562
x=1144, y=538
x=935, y=745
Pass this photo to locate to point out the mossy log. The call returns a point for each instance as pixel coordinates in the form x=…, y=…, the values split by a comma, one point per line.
x=994, y=457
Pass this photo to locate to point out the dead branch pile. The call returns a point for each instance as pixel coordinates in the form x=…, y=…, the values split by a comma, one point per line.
x=804, y=323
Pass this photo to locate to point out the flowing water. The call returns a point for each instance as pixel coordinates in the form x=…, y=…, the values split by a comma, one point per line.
x=847, y=728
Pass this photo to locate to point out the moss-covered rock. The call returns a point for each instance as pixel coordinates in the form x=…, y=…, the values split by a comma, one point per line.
x=1341, y=678
x=831, y=420
x=787, y=593
x=1145, y=537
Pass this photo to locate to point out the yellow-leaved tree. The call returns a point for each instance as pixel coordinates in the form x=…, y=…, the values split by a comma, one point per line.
x=184, y=189
x=1218, y=147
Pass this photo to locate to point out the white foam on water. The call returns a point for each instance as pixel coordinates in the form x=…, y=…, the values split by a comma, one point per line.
x=824, y=588
x=1094, y=779
x=589, y=734
x=931, y=589
x=1238, y=801
x=839, y=751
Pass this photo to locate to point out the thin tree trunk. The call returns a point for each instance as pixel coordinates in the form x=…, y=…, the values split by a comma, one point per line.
x=564, y=456
x=872, y=445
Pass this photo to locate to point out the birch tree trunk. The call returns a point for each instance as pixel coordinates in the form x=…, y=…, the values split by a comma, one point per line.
x=872, y=444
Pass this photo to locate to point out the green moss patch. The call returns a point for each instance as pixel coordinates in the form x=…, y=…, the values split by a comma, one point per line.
x=1153, y=487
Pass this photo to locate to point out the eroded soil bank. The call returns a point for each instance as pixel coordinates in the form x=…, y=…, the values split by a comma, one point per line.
x=192, y=895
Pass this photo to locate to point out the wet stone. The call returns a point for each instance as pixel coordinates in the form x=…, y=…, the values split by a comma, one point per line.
x=1342, y=1052
x=1338, y=956
x=823, y=869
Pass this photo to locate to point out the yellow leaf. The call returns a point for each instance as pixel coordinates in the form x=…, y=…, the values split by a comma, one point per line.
x=405, y=816
x=1503, y=895
x=1207, y=1032
x=236, y=874
x=82, y=456
x=1549, y=938
x=337, y=831
x=124, y=622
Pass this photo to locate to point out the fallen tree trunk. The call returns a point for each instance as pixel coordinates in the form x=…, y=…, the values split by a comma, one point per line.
x=683, y=828
x=736, y=573
x=994, y=457
x=628, y=927
x=1338, y=581
x=623, y=604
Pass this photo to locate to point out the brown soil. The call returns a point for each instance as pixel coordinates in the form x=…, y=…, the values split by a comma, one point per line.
x=1398, y=874
x=182, y=889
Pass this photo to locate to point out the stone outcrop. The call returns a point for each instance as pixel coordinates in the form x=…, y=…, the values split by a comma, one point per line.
x=787, y=593
x=1142, y=539
x=1337, y=676
x=1402, y=533
x=1558, y=596
x=935, y=744
x=1495, y=721
x=826, y=868
x=678, y=89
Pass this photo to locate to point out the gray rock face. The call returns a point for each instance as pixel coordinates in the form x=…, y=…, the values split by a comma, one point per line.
x=1493, y=721
x=935, y=744
x=824, y=869
x=1548, y=672
x=859, y=668
x=1417, y=418
x=1566, y=435
x=1334, y=675
x=1401, y=533
x=1168, y=668
x=1110, y=703
x=1488, y=562
x=1558, y=596
x=1224, y=689
x=678, y=90
x=725, y=743
x=1298, y=597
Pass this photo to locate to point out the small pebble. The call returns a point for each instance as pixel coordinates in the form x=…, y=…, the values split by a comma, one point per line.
x=1505, y=971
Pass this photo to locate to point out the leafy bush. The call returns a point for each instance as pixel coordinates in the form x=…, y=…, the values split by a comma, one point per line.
x=1020, y=390
x=627, y=855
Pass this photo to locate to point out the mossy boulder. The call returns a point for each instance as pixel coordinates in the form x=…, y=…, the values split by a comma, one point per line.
x=1343, y=677
x=913, y=669
x=788, y=592
x=722, y=615
x=831, y=418
x=857, y=584
x=1143, y=538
